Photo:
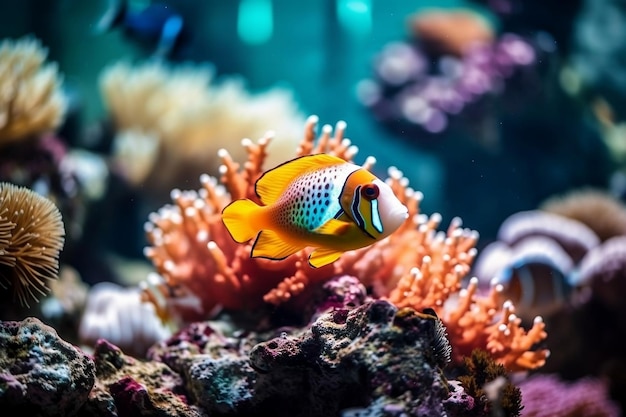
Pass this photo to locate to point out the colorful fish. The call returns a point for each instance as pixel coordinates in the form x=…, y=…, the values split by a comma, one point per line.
x=316, y=201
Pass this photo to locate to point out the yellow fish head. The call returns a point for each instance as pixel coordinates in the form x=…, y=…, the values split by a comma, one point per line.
x=372, y=205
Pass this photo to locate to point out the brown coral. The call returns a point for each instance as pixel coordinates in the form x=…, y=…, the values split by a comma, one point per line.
x=31, y=101
x=597, y=209
x=31, y=238
x=450, y=31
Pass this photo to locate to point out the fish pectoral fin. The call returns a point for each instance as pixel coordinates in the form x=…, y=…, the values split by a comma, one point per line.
x=270, y=245
x=322, y=256
x=334, y=227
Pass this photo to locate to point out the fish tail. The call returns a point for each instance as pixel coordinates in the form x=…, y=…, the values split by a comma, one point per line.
x=238, y=217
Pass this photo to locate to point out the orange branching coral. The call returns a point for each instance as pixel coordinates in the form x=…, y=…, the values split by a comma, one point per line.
x=433, y=268
x=440, y=262
x=31, y=101
x=512, y=345
x=200, y=267
x=474, y=320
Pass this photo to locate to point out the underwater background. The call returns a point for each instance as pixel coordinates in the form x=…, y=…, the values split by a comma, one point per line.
x=121, y=128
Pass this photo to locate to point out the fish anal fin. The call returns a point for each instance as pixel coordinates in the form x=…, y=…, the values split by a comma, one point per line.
x=270, y=245
x=273, y=183
x=322, y=256
x=334, y=227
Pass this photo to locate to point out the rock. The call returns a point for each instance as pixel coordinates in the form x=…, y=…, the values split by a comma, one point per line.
x=369, y=359
x=128, y=387
x=41, y=374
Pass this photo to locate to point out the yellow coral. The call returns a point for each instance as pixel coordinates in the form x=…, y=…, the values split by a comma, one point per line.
x=31, y=101
x=180, y=117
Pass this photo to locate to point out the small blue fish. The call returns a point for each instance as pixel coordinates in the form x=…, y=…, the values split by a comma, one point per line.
x=316, y=201
x=158, y=26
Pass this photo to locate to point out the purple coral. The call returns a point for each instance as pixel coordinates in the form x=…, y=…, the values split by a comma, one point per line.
x=547, y=395
x=412, y=89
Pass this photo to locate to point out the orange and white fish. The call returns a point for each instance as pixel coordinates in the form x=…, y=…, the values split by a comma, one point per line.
x=318, y=201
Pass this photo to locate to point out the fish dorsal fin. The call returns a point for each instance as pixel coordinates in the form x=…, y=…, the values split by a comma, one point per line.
x=322, y=256
x=334, y=227
x=270, y=245
x=273, y=183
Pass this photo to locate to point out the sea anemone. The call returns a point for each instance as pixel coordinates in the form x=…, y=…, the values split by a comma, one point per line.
x=117, y=314
x=31, y=237
x=31, y=100
x=171, y=120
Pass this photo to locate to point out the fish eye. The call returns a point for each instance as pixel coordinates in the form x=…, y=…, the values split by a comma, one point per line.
x=370, y=191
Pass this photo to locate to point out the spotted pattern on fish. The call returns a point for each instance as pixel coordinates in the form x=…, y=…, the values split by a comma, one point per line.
x=313, y=198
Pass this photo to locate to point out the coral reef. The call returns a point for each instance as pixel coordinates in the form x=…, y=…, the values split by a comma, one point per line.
x=338, y=349
x=31, y=238
x=117, y=314
x=368, y=358
x=419, y=91
x=40, y=374
x=31, y=101
x=192, y=250
x=550, y=252
x=416, y=267
x=171, y=120
x=585, y=397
